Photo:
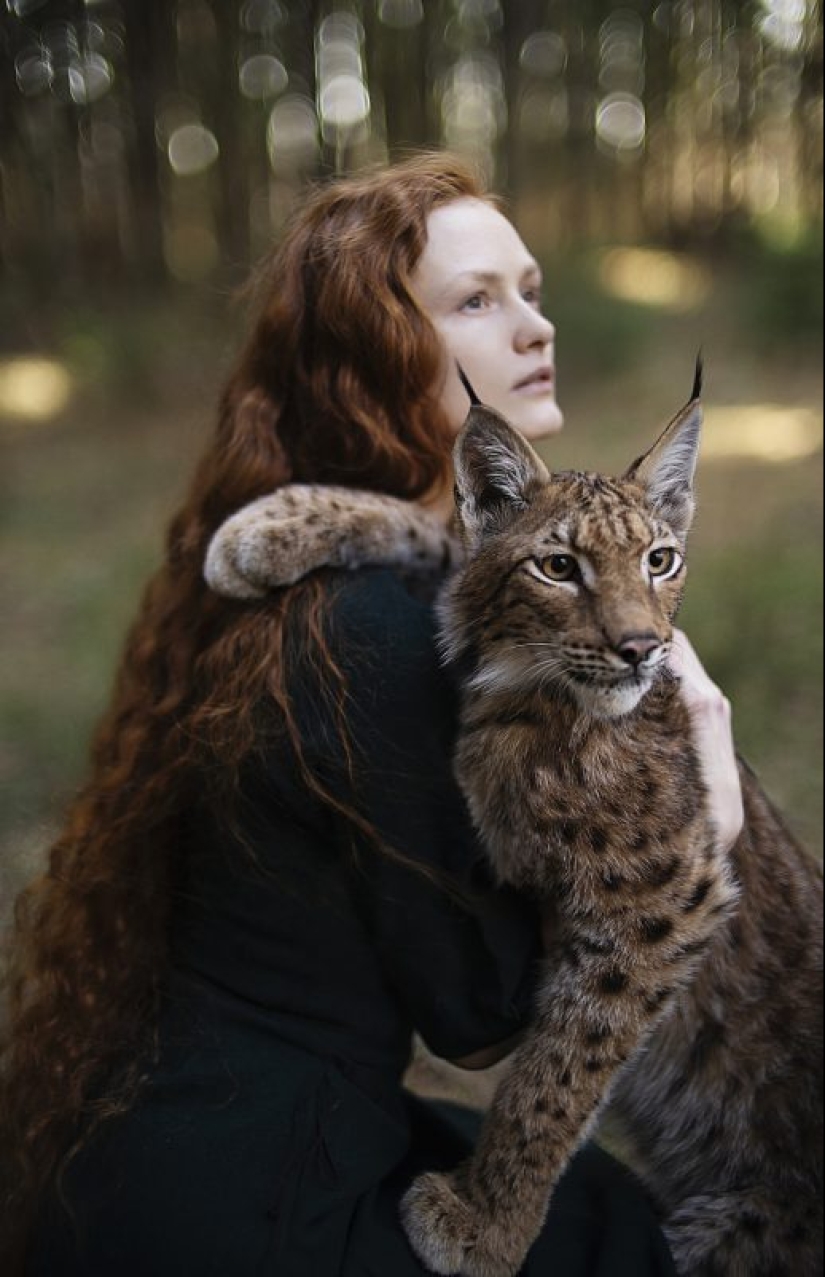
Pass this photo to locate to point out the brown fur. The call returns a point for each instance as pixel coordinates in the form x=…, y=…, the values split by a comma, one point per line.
x=304, y=526
x=683, y=984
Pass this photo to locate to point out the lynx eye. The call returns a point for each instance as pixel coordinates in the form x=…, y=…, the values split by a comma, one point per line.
x=663, y=562
x=560, y=567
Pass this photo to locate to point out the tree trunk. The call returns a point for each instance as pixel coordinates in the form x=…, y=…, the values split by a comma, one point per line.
x=225, y=116
x=150, y=47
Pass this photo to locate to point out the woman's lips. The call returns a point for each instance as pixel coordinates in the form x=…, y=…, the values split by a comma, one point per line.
x=542, y=382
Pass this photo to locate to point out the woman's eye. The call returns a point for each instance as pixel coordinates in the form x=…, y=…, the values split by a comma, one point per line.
x=478, y=302
x=533, y=297
x=560, y=567
x=663, y=562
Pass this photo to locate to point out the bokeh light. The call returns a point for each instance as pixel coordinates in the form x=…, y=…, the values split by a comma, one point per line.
x=621, y=122
x=472, y=13
x=90, y=77
x=192, y=149
x=403, y=15
x=544, y=54
x=341, y=30
x=344, y=101
x=784, y=23
x=61, y=40
x=34, y=71
x=262, y=17
x=22, y=8
x=94, y=36
x=762, y=432
x=653, y=277
x=714, y=120
x=292, y=135
x=33, y=389
x=263, y=76
x=621, y=119
x=474, y=106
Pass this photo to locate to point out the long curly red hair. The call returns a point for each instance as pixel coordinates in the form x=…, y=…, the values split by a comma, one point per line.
x=337, y=383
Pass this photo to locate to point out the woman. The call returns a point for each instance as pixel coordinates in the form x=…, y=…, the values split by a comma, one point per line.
x=269, y=880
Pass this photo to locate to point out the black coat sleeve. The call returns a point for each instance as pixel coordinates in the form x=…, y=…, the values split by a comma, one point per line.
x=459, y=954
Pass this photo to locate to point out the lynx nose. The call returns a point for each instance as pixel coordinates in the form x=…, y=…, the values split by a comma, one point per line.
x=636, y=648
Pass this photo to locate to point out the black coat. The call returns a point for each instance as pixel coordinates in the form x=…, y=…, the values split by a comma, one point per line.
x=273, y=1136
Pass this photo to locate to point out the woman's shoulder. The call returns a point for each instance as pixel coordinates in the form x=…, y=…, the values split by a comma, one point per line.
x=380, y=666
x=385, y=641
x=374, y=608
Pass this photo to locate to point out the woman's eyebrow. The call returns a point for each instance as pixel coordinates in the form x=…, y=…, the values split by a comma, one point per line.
x=491, y=276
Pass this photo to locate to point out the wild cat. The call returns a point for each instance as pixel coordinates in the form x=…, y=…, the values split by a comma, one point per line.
x=684, y=985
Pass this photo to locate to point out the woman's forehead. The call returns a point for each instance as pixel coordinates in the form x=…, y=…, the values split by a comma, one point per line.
x=470, y=237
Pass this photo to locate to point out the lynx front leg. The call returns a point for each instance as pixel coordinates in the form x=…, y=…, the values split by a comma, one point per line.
x=595, y=1009
x=483, y=1220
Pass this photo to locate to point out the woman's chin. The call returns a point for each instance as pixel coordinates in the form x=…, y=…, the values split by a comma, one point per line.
x=539, y=422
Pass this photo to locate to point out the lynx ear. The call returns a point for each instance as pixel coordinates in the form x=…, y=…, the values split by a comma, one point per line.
x=497, y=474
x=668, y=469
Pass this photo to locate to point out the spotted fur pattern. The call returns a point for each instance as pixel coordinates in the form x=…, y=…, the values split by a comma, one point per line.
x=683, y=985
x=278, y=539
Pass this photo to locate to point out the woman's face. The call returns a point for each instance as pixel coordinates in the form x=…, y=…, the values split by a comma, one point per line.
x=482, y=290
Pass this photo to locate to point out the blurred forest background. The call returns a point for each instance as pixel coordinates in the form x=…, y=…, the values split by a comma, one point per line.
x=664, y=161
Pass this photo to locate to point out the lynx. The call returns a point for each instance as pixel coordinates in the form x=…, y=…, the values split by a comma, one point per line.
x=683, y=984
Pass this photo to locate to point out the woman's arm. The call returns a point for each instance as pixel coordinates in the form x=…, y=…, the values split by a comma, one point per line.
x=710, y=713
x=489, y=1056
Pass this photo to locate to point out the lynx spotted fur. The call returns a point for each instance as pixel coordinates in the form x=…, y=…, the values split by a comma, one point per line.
x=684, y=985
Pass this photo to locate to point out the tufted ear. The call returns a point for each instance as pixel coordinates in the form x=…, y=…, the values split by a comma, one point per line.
x=667, y=471
x=497, y=474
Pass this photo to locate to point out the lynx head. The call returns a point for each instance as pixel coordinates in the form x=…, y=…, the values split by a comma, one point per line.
x=572, y=580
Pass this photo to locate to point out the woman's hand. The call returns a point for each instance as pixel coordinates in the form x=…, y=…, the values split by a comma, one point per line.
x=710, y=713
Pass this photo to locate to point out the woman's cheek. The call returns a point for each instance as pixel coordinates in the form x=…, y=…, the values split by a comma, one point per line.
x=454, y=401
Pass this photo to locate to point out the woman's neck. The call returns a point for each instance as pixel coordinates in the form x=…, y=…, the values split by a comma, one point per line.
x=440, y=502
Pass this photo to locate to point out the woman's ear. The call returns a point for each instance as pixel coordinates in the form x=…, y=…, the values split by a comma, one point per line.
x=497, y=474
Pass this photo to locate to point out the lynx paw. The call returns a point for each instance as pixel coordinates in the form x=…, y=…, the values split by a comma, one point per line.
x=448, y=1234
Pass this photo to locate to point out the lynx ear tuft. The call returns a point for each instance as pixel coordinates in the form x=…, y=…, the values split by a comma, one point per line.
x=699, y=378
x=667, y=471
x=497, y=474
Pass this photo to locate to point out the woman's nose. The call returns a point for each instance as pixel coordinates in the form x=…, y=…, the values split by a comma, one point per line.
x=535, y=330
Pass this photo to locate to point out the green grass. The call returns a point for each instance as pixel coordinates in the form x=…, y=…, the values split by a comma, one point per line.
x=755, y=614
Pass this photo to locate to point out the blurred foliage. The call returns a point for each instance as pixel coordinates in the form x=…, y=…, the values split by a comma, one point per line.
x=773, y=299
x=781, y=297
x=755, y=613
x=171, y=138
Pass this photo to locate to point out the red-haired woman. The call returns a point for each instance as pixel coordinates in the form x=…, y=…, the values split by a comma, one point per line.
x=269, y=880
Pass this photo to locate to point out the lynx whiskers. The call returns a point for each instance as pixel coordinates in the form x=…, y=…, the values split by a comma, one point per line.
x=684, y=984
